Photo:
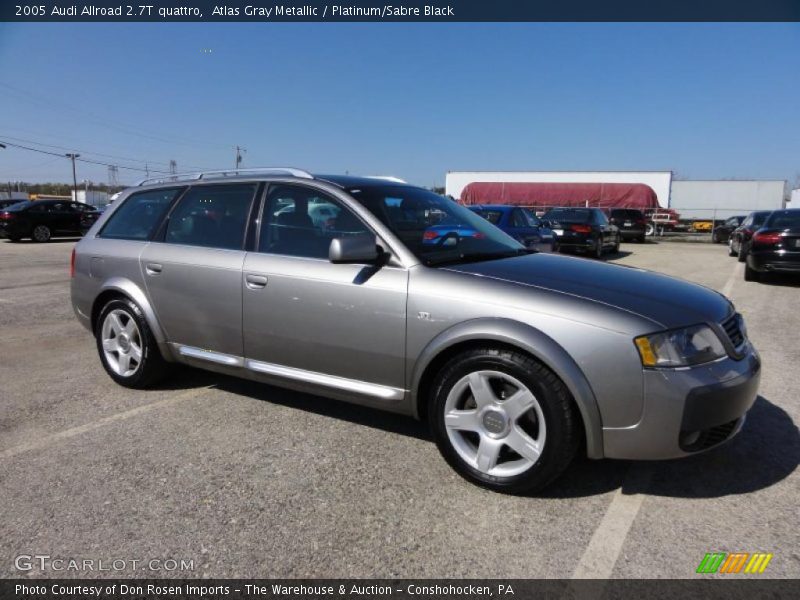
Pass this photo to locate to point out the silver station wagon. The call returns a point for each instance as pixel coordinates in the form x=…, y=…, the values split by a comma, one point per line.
x=376, y=292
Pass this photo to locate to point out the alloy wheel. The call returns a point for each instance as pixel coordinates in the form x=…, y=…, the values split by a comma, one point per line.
x=41, y=233
x=122, y=343
x=495, y=423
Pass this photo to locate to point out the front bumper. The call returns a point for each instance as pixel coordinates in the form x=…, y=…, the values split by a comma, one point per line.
x=688, y=410
x=772, y=261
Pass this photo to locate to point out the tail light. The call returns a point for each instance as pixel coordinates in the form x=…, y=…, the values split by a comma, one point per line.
x=6, y=216
x=766, y=238
x=430, y=235
x=72, y=264
x=581, y=228
x=478, y=235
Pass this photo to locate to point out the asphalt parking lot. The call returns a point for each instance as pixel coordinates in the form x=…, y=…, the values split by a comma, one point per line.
x=247, y=480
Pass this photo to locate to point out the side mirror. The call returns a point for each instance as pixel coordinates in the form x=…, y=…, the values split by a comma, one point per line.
x=356, y=249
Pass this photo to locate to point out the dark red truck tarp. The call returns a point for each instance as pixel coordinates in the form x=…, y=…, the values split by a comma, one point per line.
x=599, y=195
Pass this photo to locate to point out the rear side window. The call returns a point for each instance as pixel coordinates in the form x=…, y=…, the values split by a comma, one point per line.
x=139, y=215
x=214, y=216
x=784, y=219
x=493, y=216
x=759, y=218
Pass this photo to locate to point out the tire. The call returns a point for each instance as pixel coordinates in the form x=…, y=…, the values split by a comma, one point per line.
x=751, y=274
x=120, y=330
x=543, y=422
x=731, y=251
x=41, y=234
x=642, y=238
x=742, y=253
x=598, y=250
x=615, y=249
x=650, y=229
x=715, y=238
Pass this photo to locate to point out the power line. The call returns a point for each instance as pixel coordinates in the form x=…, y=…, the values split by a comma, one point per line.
x=137, y=160
x=129, y=129
x=87, y=160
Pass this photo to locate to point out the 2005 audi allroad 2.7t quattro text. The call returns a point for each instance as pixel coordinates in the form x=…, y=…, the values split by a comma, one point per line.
x=328, y=285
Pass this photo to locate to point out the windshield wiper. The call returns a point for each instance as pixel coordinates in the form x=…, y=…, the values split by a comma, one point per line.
x=468, y=257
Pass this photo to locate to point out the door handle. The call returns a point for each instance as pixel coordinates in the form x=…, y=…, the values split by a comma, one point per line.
x=153, y=268
x=255, y=282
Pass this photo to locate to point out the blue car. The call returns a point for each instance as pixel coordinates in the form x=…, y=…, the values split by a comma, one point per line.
x=445, y=234
x=521, y=224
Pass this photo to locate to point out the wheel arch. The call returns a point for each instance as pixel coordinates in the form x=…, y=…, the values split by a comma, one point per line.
x=516, y=336
x=120, y=287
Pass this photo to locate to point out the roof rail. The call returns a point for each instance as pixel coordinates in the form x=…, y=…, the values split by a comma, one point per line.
x=229, y=173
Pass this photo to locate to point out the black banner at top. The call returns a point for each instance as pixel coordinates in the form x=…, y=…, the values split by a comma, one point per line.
x=256, y=11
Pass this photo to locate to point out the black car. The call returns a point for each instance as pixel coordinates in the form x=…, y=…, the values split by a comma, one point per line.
x=739, y=242
x=583, y=229
x=42, y=219
x=776, y=246
x=722, y=233
x=631, y=223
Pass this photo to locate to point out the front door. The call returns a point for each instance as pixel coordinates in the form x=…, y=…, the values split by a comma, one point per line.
x=194, y=274
x=335, y=326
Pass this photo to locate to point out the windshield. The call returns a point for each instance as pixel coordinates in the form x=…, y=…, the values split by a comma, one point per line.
x=568, y=215
x=436, y=229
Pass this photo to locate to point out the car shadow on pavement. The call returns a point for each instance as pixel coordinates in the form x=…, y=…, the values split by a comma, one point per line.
x=361, y=415
x=765, y=452
x=781, y=279
x=616, y=255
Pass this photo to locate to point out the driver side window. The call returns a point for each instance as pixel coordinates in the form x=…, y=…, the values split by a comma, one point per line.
x=301, y=221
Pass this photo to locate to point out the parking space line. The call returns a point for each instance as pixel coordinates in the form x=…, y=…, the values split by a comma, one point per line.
x=603, y=550
x=49, y=440
x=737, y=273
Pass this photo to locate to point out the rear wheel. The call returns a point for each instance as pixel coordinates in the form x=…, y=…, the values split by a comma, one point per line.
x=731, y=251
x=41, y=233
x=127, y=348
x=751, y=274
x=503, y=420
x=598, y=249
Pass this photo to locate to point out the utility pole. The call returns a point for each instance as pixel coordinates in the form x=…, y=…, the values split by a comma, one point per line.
x=72, y=156
x=173, y=167
x=238, y=160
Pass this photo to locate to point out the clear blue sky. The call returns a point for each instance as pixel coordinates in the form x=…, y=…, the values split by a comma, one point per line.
x=413, y=100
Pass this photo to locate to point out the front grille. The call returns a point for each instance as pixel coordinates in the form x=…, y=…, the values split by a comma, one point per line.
x=733, y=330
x=692, y=442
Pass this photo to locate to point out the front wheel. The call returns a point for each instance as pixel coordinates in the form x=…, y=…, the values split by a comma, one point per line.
x=127, y=348
x=503, y=420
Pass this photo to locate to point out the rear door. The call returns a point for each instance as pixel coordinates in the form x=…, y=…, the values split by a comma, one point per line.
x=193, y=271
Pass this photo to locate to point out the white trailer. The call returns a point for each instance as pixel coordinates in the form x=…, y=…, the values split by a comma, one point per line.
x=794, y=201
x=659, y=181
x=717, y=199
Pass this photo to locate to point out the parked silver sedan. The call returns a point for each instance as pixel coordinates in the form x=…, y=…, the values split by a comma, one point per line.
x=517, y=359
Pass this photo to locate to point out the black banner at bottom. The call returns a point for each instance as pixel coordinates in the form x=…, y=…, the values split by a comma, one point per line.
x=751, y=588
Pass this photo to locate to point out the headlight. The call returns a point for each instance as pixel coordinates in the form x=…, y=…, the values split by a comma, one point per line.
x=680, y=347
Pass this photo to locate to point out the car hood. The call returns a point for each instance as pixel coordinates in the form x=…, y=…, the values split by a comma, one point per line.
x=666, y=301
